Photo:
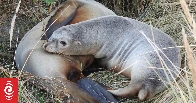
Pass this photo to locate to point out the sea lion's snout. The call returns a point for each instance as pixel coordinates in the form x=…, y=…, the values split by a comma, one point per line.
x=50, y=46
x=45, y=45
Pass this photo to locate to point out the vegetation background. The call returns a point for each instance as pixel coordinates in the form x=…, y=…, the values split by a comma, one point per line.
x=167, y=15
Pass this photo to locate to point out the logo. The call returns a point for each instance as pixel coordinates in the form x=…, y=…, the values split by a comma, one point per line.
x=8, y=90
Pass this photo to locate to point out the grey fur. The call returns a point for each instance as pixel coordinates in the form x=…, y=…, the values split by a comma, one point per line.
x=123, y=43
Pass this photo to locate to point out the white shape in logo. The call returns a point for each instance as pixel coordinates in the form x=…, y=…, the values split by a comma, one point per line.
x=8, y=90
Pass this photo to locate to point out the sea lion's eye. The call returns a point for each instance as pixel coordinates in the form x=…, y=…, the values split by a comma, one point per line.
x=63, y=43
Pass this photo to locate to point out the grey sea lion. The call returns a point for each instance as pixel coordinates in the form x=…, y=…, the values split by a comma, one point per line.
x=143, y=53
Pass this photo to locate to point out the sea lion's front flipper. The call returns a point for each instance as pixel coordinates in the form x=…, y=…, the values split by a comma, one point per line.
x=61, y=17
x=96, y=91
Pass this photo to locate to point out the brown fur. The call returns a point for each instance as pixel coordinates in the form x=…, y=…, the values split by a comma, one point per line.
x=31, y=57
x=42, y=63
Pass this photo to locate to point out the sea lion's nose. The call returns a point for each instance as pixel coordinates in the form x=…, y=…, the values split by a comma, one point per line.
x=45, y=46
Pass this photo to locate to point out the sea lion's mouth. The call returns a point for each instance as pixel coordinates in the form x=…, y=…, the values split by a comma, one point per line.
x=52, y=50
x=49, y=47
x=58, y=53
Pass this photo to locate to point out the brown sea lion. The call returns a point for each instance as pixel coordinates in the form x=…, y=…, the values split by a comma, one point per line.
x=138, y=51
x=31, y=57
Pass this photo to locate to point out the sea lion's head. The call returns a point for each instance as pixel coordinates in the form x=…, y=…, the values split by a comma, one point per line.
x=63, y=41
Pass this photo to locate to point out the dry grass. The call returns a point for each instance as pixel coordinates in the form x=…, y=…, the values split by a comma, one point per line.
x=191, y=61
x=169, y=16
x=13, y=22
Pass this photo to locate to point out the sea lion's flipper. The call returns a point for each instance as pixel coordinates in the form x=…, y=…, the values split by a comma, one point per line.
x=77, y=94
x=96, y=91
x=126, y=91
x=144, y=92
x=61, y=17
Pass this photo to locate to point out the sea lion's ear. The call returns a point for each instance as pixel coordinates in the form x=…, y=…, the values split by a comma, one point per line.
x=77, y=42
